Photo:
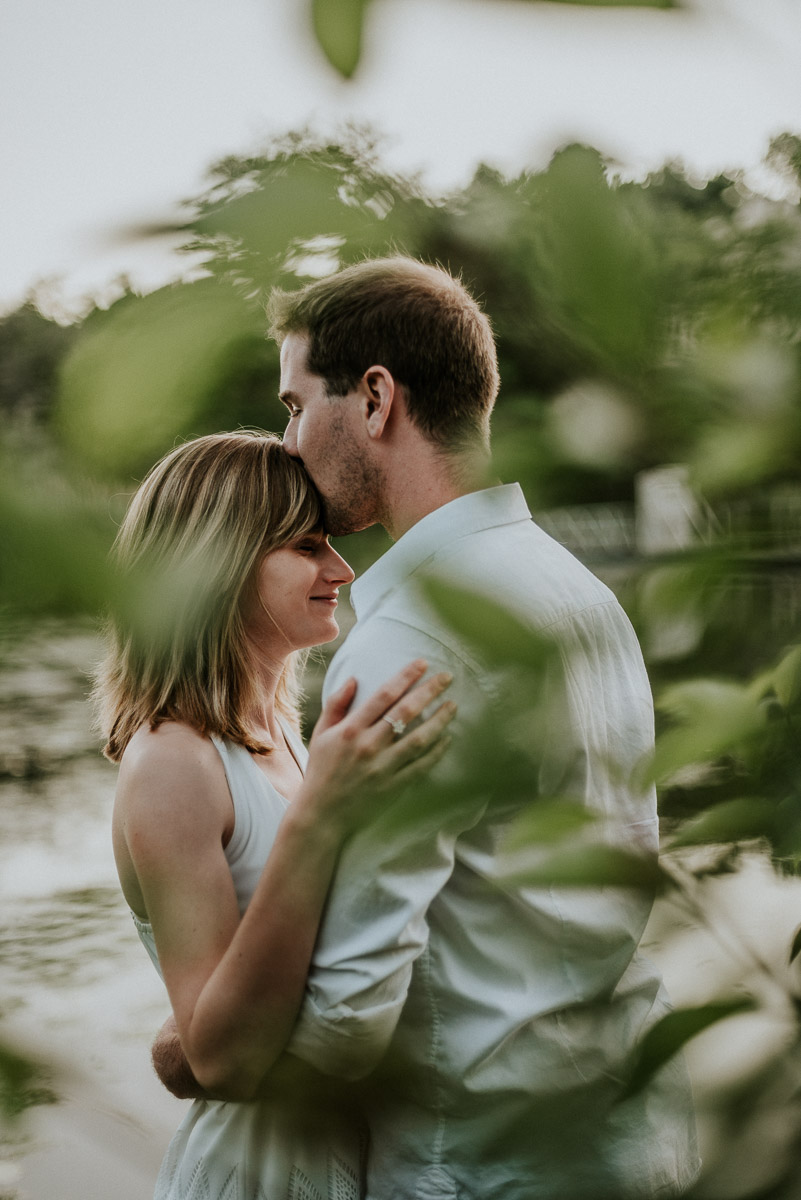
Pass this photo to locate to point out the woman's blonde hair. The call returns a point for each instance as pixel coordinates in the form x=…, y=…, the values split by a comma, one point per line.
x=187, y=554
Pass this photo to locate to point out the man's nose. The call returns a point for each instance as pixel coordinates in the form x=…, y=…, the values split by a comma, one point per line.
x=290, y=441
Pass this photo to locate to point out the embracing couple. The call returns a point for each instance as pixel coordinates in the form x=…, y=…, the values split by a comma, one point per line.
x=307, y=936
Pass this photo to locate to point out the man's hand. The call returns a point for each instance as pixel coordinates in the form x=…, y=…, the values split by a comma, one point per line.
x=169, y=1063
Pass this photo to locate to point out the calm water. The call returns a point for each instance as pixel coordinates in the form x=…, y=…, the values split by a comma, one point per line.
x=78, y=992
x=76, y=989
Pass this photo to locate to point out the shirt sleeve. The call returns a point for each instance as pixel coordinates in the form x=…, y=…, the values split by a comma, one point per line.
x=374, y=927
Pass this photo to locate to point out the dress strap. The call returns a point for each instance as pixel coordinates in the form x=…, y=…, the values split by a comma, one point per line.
x=295, y=746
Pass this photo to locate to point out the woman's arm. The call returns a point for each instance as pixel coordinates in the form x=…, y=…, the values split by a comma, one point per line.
x=286, y=1077
x=236, y=986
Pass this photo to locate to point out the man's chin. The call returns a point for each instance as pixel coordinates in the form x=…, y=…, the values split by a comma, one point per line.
x=340, y=524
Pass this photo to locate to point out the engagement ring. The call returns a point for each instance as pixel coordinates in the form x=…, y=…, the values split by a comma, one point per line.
x=397, y=726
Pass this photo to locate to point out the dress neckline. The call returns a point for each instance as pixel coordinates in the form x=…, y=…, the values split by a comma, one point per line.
x=289, y=739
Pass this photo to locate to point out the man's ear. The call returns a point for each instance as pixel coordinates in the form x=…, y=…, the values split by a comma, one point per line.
x=379, y=392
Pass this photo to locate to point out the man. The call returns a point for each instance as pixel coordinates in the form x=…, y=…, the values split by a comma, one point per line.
x=493, y=1023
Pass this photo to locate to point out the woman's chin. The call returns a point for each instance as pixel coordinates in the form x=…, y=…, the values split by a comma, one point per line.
x=323, y=637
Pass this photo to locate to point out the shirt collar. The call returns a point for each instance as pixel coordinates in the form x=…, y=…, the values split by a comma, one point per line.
x=467, y=514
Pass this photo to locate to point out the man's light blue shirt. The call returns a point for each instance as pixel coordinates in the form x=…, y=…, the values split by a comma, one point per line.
x=494, y=1021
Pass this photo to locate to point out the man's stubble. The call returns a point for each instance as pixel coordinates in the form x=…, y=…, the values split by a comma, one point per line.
x=355, y=500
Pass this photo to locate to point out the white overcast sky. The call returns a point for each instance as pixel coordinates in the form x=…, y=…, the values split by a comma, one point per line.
x=112, y=110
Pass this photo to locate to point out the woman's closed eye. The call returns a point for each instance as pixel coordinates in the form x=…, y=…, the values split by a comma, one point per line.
x=311, y=545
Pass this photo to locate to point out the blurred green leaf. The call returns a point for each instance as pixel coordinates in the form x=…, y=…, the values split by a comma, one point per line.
x=597, y=252
x=167, y=605
x=795, y=948
x=303, y=211
x=471, y=777
x=786, y=677
x=740, y=453
x=141, y=374
x=712, y=717
x=732, y=821
x=671, y=588
x=54, y=540
x=671, y=1033
x=338, y=27
x=496, y=633
x=587, y=866
x=546, y=821
x=670, y=603
x=290, y=202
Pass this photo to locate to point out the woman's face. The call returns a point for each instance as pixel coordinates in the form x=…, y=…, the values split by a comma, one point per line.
x=296, y=598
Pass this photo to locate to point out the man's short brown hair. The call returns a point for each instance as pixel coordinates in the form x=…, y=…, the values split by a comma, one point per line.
x=418, y=322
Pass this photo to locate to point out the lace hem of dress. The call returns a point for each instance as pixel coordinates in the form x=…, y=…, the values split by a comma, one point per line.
x=343, y=1184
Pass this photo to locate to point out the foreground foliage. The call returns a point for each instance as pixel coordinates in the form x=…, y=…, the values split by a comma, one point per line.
x=639, y=324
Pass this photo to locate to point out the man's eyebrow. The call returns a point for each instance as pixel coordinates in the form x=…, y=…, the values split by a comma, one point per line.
x=287, y=397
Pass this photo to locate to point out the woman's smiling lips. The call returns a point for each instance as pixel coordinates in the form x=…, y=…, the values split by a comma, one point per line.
x=331, y=598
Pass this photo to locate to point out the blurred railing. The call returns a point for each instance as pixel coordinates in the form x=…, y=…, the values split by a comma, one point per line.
x=667, y=517
x=667, y=524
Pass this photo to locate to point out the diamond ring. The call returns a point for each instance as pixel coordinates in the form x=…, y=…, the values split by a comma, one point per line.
x=397, y=727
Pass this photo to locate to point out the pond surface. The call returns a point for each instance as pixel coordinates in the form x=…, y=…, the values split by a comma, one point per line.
x=78, y=993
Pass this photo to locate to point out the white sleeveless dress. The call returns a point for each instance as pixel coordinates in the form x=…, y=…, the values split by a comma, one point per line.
x=301, y=1146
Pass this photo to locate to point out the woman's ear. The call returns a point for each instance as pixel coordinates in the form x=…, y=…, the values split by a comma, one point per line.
x=379, y=391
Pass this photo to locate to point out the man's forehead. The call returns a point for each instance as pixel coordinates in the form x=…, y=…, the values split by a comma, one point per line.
x=294, y=352
x=296, y=379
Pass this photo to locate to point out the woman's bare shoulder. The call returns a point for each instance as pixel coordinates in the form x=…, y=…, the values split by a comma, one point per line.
x=173, y=810
x=172, y=794
x=170, y=752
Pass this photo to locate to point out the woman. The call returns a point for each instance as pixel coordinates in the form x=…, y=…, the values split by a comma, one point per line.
x=225, y=836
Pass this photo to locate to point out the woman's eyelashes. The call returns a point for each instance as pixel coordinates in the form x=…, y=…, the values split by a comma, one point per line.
x=311, y=545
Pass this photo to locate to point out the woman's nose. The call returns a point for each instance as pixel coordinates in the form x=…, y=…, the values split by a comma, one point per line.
x=337, y=570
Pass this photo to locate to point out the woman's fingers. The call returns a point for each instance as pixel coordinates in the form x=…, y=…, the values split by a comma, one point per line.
x=337, y=706
x=410, y=706
x=414, y=744
x=356, y=754
x=376, y=705
x=412, y=755
x=391, y=764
